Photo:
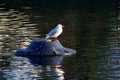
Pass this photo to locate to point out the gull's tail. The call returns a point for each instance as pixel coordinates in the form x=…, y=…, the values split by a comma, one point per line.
x=46, y=37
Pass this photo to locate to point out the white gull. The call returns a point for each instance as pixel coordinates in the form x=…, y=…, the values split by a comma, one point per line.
x=54, y=33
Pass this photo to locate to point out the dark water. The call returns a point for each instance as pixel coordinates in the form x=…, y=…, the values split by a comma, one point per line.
x=90, y=28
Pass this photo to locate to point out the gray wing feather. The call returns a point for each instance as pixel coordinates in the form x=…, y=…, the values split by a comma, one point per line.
x=52, y=32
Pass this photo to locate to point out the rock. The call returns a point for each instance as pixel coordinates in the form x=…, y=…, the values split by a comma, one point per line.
x=43, y=47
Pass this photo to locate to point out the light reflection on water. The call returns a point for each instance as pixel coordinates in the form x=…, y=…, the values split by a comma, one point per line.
x=16, y=30
x=91, y=34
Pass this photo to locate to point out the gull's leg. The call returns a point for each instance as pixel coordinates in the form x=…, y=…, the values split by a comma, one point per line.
x=56, y=38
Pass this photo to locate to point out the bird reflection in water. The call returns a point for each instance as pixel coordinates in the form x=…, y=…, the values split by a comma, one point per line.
x=51, y=66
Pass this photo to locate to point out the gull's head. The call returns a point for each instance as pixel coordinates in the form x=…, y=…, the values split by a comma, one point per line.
x=60, y=26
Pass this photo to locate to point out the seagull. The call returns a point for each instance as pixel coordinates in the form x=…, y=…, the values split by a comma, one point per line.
x=54, y=33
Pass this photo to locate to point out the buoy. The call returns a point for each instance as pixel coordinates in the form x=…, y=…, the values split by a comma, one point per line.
x=44, y=47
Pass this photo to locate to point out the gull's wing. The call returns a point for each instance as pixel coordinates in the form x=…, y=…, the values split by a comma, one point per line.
x=52, y=32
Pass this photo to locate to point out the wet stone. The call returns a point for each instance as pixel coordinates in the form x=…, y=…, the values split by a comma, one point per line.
x=45, y=48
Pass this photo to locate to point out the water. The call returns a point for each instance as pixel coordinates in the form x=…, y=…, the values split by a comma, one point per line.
x=90, y=28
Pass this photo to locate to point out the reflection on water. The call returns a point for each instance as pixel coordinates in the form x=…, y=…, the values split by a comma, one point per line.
x=48, y=60
x=52, y=66
x=89, y=28
x=20, y=69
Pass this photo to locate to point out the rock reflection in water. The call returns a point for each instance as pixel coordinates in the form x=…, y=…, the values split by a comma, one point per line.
x=52, y=66
x=32, y=68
